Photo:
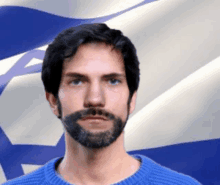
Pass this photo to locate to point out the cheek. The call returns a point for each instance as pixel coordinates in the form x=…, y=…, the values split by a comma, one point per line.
x=71, y=101
x=118, y=95
x=61, y=94
x=118, y=103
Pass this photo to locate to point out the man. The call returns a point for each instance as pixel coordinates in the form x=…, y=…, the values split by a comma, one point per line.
x=91, y=76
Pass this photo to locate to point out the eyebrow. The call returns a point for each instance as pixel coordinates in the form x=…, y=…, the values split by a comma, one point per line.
x=78, y=75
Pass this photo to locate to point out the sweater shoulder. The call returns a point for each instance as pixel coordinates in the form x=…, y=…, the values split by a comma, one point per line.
x=155, y=174
x=36, y=177
x=161, y=174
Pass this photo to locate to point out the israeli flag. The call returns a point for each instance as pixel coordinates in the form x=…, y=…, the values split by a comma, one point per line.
x=176, y=121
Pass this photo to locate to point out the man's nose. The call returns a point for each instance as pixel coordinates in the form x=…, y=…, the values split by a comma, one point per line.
x=95, y=95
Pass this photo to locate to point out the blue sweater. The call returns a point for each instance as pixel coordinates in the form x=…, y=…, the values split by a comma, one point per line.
x=149, y=173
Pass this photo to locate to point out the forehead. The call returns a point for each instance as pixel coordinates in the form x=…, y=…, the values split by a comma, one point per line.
x=95, y=58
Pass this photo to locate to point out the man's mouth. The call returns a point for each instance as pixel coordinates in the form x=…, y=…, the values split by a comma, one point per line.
x=94, y=118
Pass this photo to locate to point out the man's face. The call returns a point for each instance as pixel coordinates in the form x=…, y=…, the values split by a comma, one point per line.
x=91, y=92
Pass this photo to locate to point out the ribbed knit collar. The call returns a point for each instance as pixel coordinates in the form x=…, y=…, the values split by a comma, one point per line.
x=144, y=171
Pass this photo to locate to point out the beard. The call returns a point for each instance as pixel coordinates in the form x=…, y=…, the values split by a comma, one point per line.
x=89, y=139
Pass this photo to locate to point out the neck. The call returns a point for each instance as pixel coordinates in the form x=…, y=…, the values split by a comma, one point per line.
x=99, y=166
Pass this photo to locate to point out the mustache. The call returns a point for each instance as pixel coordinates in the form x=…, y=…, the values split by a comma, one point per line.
x=88, y=112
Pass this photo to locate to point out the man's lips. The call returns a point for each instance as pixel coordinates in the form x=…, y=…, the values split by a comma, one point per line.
x=94, y=118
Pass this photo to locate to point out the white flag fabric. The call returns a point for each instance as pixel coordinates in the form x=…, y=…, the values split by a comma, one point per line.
x=176, y=121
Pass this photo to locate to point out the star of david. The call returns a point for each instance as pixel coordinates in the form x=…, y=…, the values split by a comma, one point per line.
x=12, y=156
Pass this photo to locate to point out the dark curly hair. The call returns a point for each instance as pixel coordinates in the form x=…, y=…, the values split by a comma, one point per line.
x=65, y=45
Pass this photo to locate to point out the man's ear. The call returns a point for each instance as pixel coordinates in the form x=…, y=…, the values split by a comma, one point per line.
x=133, y=102
x=53, y=102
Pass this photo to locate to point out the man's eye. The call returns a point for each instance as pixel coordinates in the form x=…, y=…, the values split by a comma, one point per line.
x=75, y=82
x=114, y=81
x=79, y=82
